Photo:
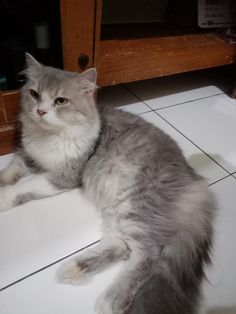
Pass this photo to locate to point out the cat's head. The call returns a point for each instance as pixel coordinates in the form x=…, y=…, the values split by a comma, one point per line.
x=54, y=99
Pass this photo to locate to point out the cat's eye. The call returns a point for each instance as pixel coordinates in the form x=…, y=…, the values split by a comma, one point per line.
x=34, y=94
x=61, y=101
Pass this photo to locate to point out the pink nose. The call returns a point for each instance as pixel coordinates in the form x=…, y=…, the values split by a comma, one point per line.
x=41, y=112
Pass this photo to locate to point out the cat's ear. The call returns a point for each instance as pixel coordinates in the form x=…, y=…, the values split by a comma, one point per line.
x=89, y=79
x=31, y=61
x=33, y=67
x=90, y=75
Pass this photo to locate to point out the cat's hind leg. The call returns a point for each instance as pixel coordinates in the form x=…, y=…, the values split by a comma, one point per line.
x=93, y=260
x=119, y=297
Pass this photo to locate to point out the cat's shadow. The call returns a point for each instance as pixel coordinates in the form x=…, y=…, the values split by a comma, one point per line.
x=205, y=165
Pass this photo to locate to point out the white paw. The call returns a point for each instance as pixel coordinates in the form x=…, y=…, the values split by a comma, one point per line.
x=6, y=199
x=70, y=273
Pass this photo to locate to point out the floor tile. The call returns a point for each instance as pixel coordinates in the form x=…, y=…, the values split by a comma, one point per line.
x=219, y=290
x=42, y=294
x=211, y=124
x=4, y=160
x=167, y=91
x=40, y=232
x=198, y=160
x=120, y=97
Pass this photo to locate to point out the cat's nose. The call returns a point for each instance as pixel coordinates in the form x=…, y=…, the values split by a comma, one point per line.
x=41, y=112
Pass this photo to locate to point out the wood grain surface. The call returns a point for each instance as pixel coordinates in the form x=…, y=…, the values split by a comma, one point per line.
x=129, y=60
x=9, y=109
x=77, y=26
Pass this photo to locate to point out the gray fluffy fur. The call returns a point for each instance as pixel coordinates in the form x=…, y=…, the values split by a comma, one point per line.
x=157, y=212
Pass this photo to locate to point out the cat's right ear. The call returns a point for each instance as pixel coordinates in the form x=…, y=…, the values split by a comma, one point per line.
x=33, y=67
x=88, y=79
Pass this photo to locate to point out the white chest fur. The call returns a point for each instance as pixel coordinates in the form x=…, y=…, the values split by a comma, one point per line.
x=55, y=149
x=52, y=151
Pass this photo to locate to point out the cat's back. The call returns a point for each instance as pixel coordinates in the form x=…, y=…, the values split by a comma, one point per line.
x=132, y=135
x=134, y=143
x=131, y=152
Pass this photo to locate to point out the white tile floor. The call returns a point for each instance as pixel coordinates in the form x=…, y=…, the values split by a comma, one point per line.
x=34, y=238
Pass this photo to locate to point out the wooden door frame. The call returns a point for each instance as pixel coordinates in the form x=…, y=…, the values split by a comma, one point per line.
x=78, y=32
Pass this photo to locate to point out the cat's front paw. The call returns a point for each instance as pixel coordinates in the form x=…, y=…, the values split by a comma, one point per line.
x=6, y=199
x=71, y=273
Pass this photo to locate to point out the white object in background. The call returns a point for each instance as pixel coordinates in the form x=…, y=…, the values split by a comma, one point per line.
x=216, y=13
x=42, y=39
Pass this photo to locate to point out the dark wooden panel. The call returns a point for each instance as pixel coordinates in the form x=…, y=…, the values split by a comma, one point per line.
x=2, y=113
x=11, y=104
x=97, y=39
x=77, y=23
x=131, y=60
x=7, y=140
x=9, y=109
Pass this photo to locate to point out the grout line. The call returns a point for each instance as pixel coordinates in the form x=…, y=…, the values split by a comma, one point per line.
x=173, y=105
x=137, y=97
x=47, y=266
x=229, y=175
x=155, y=111
x=189, y=101
x=192, y=142
x=234, y=175
x=139, y=114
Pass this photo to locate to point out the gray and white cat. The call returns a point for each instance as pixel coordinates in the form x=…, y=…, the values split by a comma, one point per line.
x=157, y=212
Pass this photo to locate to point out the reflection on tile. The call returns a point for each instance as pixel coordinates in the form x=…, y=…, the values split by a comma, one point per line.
x=211, y=124
x=42, y=294
x=198, y=160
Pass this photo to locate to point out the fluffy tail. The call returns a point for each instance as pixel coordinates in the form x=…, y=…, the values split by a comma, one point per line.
x=169, y=281
x=170, y=291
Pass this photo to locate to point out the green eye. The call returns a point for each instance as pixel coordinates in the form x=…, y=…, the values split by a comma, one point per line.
x=34, y=94
x=61, y=101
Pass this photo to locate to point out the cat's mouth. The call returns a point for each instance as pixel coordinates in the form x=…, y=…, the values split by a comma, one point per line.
x=47, y=122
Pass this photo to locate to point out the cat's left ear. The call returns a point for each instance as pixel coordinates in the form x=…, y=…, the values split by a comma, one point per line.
x=33, y=67
x=89, y=79
x=31, y=61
